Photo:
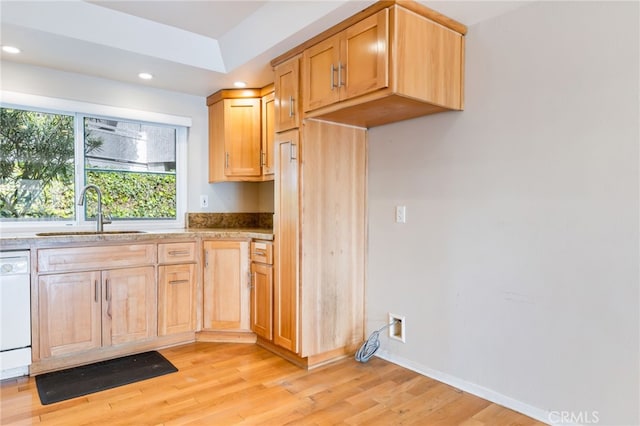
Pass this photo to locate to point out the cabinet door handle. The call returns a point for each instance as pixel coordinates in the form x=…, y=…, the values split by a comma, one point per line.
x=178, y=252
x=178, y=281
x=290, y=106
x=252, y=278
x=263, y=155
x=206, y=258
x=293, y=152
x=226, y=160
x=108, y=292
x=333, y=70
x=96, y=289
x=340, y=68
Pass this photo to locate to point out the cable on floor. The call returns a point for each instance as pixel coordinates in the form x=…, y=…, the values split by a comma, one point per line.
x=371, y=345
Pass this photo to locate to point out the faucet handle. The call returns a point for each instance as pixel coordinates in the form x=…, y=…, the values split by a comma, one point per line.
x=107, y=219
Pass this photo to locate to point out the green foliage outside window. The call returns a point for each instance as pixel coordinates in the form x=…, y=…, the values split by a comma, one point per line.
x=36, y=164
x=132, y=195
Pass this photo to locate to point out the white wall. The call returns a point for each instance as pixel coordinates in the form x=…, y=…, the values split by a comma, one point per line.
x=223, y=197
x=518, y=267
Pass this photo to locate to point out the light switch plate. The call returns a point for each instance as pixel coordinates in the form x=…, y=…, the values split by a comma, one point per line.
x=401, y=214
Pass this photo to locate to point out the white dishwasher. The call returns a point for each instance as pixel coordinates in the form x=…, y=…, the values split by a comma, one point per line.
x=15, y=314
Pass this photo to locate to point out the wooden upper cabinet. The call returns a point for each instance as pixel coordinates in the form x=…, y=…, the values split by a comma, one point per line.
x=320, y=78
x=235, y=136
x=242, y=137
x=268, y=134
x=393, y=61
x=349, y=64
x=287, y=95
x=241, y=129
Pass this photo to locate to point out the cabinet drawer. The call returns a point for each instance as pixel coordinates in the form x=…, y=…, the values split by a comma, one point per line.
x=95, y=257
x=177, y=252
x=262, y=251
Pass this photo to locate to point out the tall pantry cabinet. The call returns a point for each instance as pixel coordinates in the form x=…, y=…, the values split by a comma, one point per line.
x=319, y=227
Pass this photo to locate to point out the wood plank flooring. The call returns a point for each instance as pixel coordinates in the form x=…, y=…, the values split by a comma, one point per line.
x=230, y=383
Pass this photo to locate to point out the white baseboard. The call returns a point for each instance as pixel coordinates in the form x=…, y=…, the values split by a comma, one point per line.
x=472, y=388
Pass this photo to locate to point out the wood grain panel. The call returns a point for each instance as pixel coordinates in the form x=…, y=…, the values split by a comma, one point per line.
x=262, y=300
x=226, y=289
x=333, y=236
x=287, y=241
x=242, y=137
x=287, y=95
x=216, y=142
x=268, y=135
x=364, y=55
x=95, y=257
x=70, y=314
x=129, y=309
x=428, y=60
x=176, y=299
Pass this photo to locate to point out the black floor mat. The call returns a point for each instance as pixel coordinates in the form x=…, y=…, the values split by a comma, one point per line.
x=66, y=384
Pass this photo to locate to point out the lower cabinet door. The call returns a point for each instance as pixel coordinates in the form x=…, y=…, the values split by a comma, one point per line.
x=69, y=313
x=176, y=299
x=262, y=300
x=226, y=286
x=129, y=310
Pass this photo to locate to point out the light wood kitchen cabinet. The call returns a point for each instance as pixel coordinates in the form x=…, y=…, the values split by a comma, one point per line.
x=286, y=227
x=268, y=134
x=349, y=64
x=319, y=260
x=241, y=128
x=69, y=313
x=234, y=140
x=393, y=61
x=129, y=311
x=87, y=310
x=176, y=299
x=262, y=289
x=226, y=286
x=177, y=287
x=109, y=301
x=287, y=95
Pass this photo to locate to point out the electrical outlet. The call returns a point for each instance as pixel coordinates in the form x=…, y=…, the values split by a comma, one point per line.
x=204, y=201
x=397, y=330
x=401, y=214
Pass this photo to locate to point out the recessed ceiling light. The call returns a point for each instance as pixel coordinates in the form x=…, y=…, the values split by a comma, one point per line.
x=145, y=76
x=10, y=49
x=240, y=84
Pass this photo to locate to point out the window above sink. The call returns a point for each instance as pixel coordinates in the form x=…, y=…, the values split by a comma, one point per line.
x=48, y=155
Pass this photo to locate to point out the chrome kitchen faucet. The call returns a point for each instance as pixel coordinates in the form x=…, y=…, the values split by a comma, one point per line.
x=99, y=216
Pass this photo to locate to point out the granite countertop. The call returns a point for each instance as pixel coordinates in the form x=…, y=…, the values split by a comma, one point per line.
x=199, y=225
x=9, y=240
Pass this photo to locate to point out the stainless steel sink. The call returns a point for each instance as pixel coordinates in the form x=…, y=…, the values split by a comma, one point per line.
x=71, y=233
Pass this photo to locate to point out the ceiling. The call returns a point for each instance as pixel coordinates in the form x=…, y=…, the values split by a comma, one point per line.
x=195, y=47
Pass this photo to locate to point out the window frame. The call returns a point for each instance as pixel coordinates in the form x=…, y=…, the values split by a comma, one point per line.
x=80, y=110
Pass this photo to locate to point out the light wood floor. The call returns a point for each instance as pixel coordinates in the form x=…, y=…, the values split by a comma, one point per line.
x=225, y=383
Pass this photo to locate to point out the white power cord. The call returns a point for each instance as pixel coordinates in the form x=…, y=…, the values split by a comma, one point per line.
x=371, y=345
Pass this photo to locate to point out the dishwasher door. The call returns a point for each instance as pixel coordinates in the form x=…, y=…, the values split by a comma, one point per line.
x=15, y=314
